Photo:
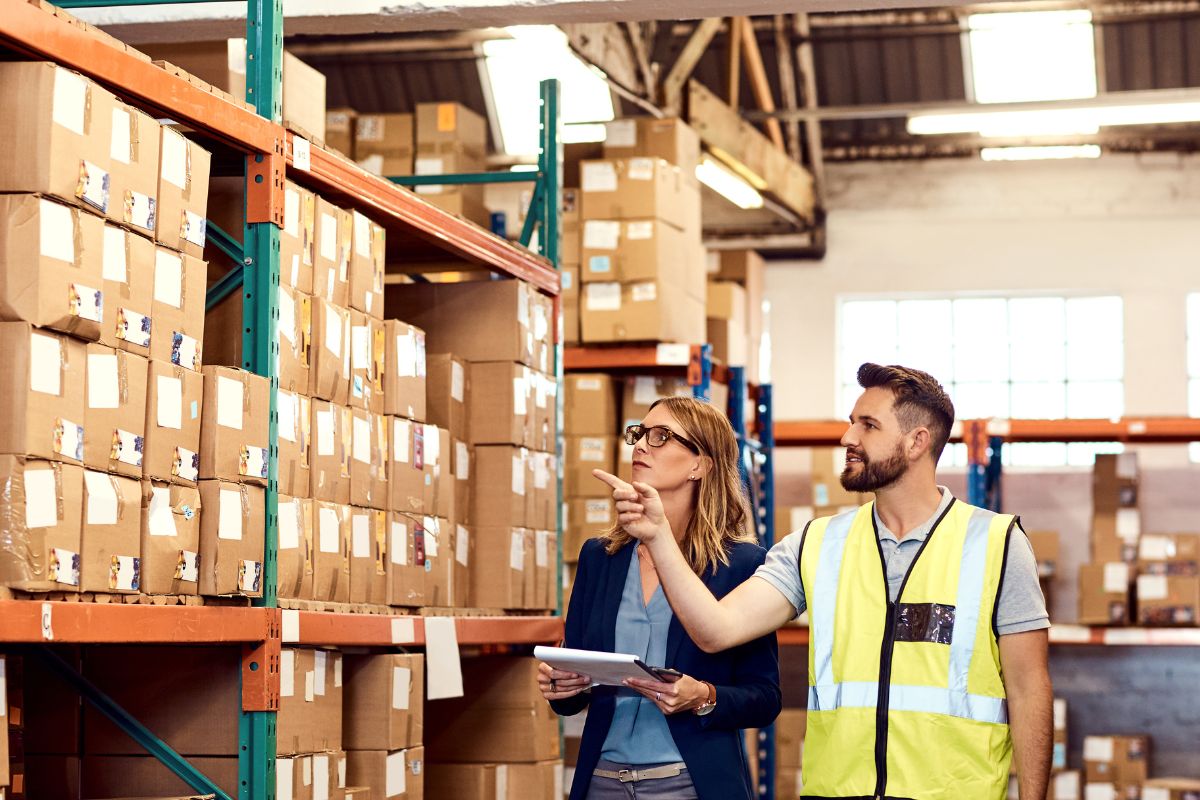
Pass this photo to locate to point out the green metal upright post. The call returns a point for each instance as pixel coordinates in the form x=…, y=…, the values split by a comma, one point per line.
x=260, y=354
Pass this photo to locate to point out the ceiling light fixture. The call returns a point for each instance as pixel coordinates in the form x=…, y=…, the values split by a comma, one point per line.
x=1053, y=121
x=1040, y=153
x=724, y=182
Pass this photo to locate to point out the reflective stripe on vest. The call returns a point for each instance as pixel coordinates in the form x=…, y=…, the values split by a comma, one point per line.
x=929, y=699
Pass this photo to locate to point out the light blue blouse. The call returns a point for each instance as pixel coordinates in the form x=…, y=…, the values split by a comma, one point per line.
x=639, y=733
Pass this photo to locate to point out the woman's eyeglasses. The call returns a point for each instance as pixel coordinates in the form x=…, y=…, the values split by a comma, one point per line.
x=657, y=436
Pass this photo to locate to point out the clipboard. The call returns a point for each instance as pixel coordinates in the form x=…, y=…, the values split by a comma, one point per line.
x=605, y=669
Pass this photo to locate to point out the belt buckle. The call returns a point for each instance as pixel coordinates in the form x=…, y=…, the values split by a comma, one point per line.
x=627, y=775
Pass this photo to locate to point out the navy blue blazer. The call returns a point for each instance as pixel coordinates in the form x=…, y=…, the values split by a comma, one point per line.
x=746, y=677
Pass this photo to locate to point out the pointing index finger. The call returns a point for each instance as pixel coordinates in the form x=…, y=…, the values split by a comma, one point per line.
x=611, y=480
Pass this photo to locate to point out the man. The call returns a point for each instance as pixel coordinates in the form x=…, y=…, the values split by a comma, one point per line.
x=928, y=642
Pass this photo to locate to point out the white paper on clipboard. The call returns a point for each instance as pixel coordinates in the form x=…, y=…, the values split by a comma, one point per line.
x=605, y=669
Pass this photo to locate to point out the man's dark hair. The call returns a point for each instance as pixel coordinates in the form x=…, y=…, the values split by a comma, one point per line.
x=918, y=400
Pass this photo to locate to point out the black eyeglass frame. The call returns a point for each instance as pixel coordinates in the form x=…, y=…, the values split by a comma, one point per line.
x=634, y=434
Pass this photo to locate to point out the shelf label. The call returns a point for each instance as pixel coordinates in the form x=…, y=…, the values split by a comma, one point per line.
x=291, y=626
x=301, y=153
x=1070, y=634
x=47, y=622
x=672, y=355
x=404, y=630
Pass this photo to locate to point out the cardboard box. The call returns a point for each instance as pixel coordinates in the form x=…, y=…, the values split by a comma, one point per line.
x=545, y=562
x=170, y=549
x=51, y=265
x=502, y=583
x=389, y=774
x=632, y=189
x=179, y=217
x=790, y=727
x=669, y=139
x=369, y=460
x=44, y=409
x=295, y=340
x=443, y=587
x=1157, y=549
x=146, y=777
x=827, y=466
x=1104, y=593
x=178, y=308
x=128, y=270
x=331, y=272
x=406, y=560
x=451, y=127
x=590, y=405
x=1115, y=480
x=649, y=311
x=501, y=718
x=460, y=465
x=366, y=384
x=407, y=468
x=581, y=455
x=331, y=557
x=110, y=550
x=403, y=370
x=570, y=304
x=439, y=458
x=499, y=408
x=1058, y=759
x=500, y=486
x=538, y=781
x=41, y=513
x=545, y=412
x=235, y=426
x=290, y=772
x=629, y=251
x=475, y=320
x=367, y=266
x=1046, y=550
x=363, y=553
x=747, y=268
x=1116, y=759
x=1171, y=789
x=544, y=509
x=448, y=388
x=1115, y=534
x=333, y=432
x=330, y=371
x=173, y=410
x=294, y=412
x=585, y=518
x=432, y=159
x=340, y=124
x=384, y=143
x=295, y=557
x=571, y=232
x=1166, y=599
x=639, y=393
x=298, y=239
x=56, y=134
x=231, y=538
x=384, y=701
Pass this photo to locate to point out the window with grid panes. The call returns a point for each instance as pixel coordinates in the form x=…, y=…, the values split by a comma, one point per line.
x=1003, y=357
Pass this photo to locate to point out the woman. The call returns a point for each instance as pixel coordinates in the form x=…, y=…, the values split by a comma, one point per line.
x=679, y=739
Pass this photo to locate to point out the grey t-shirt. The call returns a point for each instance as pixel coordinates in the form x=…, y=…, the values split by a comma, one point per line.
x=1021, y=606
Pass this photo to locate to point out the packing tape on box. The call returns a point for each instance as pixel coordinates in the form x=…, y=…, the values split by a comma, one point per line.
x=381, y=543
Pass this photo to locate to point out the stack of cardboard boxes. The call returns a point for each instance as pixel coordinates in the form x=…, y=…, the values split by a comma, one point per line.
x=494, y=337
x=101, y=234
x=590, y=442
x=1064, y=784
x=311, y=724
x=641, y=261
x=383, y=730
x=500, y=741
x=736, y=317
x=1115, y=766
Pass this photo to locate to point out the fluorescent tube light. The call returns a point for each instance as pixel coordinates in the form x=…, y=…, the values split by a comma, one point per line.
x=725, y=183
x=1039, y=153
x=1052, y=121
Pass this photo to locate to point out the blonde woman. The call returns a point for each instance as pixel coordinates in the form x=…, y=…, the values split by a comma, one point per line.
x=679, y=739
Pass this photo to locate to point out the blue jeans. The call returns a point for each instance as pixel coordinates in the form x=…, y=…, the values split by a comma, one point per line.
x=678, y=787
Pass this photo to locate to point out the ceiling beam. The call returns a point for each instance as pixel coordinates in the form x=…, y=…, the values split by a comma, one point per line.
x=812, y=129
x=759, y=85
x=605, y=45
x=640, y=53
x=733, y=64
x=689, y=56
x=787, y=82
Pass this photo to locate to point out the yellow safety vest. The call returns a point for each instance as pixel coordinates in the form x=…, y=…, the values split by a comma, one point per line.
x=906, y=699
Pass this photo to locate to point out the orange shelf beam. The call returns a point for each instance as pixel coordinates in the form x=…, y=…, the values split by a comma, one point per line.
x=375, y=630
x=645, y=357
x=34, y=621
x=27, y=28
x=1132, y=430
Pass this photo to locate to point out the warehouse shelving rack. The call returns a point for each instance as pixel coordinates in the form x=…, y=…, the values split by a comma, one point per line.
x=270, y=153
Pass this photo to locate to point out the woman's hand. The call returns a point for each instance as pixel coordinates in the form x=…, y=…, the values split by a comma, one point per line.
x=684, y=694
x=639, y=508
x=557, y=684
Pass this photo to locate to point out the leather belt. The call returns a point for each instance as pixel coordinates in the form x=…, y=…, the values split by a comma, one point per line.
x=635, y=775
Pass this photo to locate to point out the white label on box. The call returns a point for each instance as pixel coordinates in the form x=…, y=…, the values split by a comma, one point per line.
x=568, y=280
x=1127, y=466
x=458, y=381
x=401, y=687
x=397, y=772
x=301, y=154
x=329, y=237
x=1129, y=524
x=542, y=548
x=599, y=176
x=284, y=778
x=188, y=568
x=433, y=445
x=250, y=576
x=523, y=292
x=502, y=782
x=128, y=447
x=346, y=355
x=645, y=390
x=591, y=449
x=57, y=230
x=333, y=330
x=541, y=470
x=290, y=625
x=518, y=475
x=462, y=546
x=621, y=133
x=291, y=213
x=231, y=397
x=161, y=519
x=372, y=164
x=286, y=405
x=120, y=150
x=70, y=441
x=289, y=525
x=330, y=531
x=443, y=665
x=429, y=166
x=187, y=464
x=309, y=694
x=432, y=530
x=41, y=498
x=101, y=499
x=321, y=777
x=1152, y=587
x=516, y=551
x=325, y=432
x=362, y=235
x=602, y=296
x=287, y=315
x=103, y=388
x=168, y=278
x=404, y=630
x=360, y=347
x=641, y=169
x=1099, y=791
x=1066, y=786
x=462, y=461
x=541, y=389
x=1156, y=793
x=362, y=440
x=1116, y=577
x=399, y=549
x=519, y=393
x=115, y=267
x=195, y=228
x=70, y=101
x=1097, y=748
x=306, y=762
x=640, y=230
x=360, y=536
x=337, y=684
x=64, y=566
x=287, y=672
x=401, y=439
x=319, y=662
x=406, y=355
x=1155, y=548
x=169, y=413
x=229, y=524
x=45, y=364
x=601, y=234
x=1060, y=714
x=140, y=210
x=598, y=512
x=174, y=158
x=644, y=292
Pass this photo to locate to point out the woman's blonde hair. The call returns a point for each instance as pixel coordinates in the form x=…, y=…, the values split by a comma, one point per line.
x=722, y=513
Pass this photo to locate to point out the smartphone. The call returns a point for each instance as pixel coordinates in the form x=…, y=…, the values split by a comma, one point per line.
x=664, y=674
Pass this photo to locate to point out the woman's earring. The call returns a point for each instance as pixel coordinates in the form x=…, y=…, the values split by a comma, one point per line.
x=691, y=477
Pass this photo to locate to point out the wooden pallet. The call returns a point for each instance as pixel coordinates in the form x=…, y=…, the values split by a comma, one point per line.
x=340, y=608
x=107, y=598
x=481, y=612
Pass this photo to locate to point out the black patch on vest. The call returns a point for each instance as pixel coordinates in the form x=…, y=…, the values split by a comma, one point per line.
x=924, y=622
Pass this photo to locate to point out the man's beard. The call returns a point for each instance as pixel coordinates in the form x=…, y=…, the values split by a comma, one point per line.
x=876, y=475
